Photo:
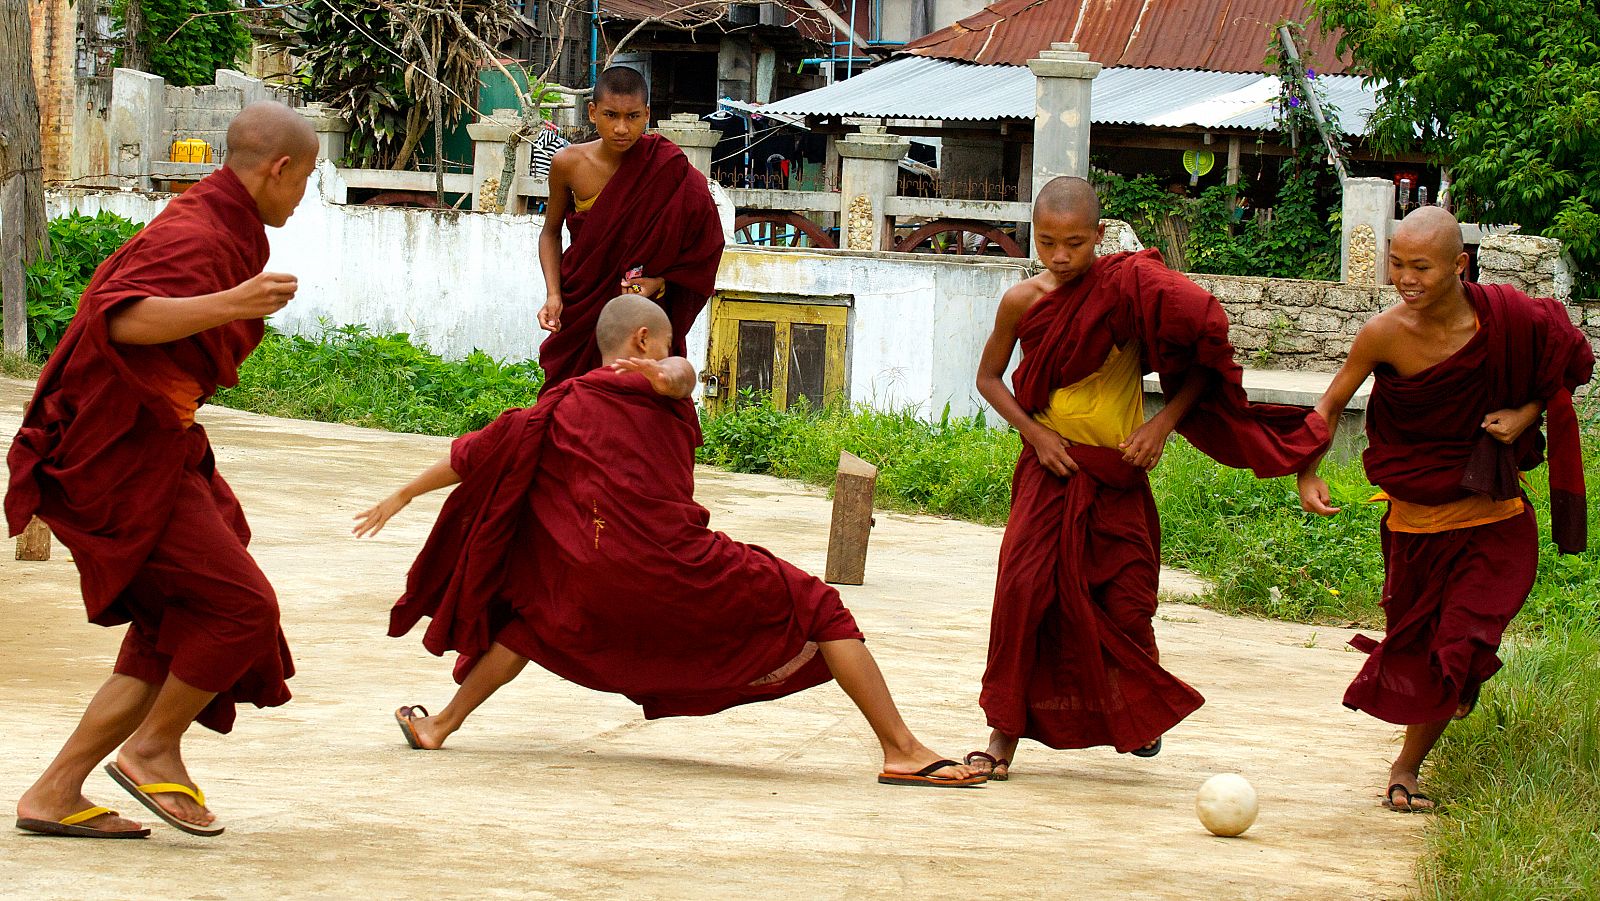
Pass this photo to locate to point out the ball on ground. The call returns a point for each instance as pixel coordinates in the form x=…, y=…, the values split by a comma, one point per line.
x=1226, y=804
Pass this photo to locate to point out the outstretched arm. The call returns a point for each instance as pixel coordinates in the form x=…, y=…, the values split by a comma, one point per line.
x=672, y=377
x=1365, y=354
x=437, y=476
x=157, y=320
x=1050, y=447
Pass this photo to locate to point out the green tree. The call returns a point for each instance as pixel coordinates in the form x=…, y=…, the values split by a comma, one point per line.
x=1505, y=93
x=187, y=41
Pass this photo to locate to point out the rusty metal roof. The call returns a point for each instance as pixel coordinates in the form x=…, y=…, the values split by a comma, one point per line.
x=910, y=87
x=1213, y=35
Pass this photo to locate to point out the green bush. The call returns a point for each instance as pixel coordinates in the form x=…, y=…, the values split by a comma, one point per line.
x=349, y=375
x=189, y=40
x=78, y=245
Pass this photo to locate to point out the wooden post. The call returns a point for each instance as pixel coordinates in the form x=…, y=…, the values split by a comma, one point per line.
x=853, y=490
x=34, y=542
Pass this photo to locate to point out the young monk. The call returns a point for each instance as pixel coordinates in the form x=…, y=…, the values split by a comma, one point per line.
x=1073, y=661
x=110, y=457
x=1463, y=374
x=642, y=221
x=574, y=540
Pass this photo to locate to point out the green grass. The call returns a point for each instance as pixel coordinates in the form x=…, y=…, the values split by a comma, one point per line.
x=351, y=376
x=1520, y=782
x=18, y=366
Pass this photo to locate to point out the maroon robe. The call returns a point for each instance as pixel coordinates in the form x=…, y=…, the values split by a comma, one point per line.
x=1448, y=596
x=106, y=458
x=656, y=214
x=575, y=541
x=1072, y=653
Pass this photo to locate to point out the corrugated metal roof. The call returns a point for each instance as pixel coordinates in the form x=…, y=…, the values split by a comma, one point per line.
x=913, y=87
x=1217, y=35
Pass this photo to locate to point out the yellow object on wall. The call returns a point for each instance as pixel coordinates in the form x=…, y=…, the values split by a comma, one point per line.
x=191, y=150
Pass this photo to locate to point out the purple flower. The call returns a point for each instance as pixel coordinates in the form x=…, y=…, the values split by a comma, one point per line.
x=1294, y=101
x=1311, y=73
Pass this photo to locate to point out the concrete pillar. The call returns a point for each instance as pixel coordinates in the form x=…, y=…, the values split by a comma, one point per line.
x=332, y=131
x=489, y=159
x=251, y=89
x=697, y=138
x=1367, y=219
x=137, y=132
x=1061, y=116
x=871, y=163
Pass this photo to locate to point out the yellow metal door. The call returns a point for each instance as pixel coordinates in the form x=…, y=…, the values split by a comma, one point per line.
x=785, y=351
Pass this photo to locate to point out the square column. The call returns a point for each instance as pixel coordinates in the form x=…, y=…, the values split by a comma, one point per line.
x=1061, y=116
x=489, y=160
x=871, y=164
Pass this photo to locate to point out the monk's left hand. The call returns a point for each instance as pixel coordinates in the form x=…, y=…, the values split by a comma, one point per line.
x=1506, y=426
x=1145, y=446
x=646, y=286
x=371, y=522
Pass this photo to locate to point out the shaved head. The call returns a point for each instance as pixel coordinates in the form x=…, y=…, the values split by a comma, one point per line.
x=1432, y=230
x=1068, y=195
x=267, y=131
x=622, y=318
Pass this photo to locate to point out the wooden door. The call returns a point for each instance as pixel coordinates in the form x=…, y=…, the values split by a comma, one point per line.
x=779, y=349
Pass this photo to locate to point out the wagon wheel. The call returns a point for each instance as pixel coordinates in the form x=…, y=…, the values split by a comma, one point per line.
x=786, y=230
x=950, y=236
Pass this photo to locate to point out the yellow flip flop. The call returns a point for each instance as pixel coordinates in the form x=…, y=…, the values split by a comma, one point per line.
x=68, y=826
x=144, y=795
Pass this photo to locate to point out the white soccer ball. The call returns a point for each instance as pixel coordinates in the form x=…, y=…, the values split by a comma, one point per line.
x=1226, y=804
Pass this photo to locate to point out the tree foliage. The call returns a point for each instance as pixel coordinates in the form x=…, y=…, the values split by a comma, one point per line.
x=377, y=62
x=1506, y=93
x=187, y=41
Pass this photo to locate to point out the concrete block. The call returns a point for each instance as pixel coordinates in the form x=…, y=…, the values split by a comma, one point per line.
x=1318, y=322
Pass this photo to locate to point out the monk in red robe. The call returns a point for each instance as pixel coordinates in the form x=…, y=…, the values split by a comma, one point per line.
x=1073, y=661
x=110, y=457
x=642, y=222
x=1464, y=373
x=574, y=540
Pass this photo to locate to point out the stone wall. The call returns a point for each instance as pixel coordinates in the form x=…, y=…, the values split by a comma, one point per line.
x=1294, y=324
x=204, y=111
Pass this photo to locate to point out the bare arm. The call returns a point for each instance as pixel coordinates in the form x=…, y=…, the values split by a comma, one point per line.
x=439, y=475
x=672, y=377
x=555, y=213
x=1050, y=447
x=1365, y=355
x=1145, y=446
x=1506, y=426
x=157, y=320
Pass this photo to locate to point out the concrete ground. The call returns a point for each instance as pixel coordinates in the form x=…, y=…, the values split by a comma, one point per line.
x=553, y=791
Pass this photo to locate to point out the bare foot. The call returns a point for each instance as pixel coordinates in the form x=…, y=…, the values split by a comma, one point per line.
x=429, y=731
x=52, y=804
x=165, y=765
x=1409, y=800
x=1003, y=748
x=916, y=757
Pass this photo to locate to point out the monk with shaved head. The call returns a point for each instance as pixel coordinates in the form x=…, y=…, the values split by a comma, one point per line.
x=574, y=540
x=111, y=458
x=1073, y=661
x=1464, y=373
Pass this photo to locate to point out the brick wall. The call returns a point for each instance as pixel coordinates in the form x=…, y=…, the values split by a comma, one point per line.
x=54, y=27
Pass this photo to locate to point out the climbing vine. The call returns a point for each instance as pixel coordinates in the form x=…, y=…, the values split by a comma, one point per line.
x=187, y=41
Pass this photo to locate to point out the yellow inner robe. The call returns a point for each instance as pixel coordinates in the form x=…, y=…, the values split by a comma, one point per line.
x=1102, y=408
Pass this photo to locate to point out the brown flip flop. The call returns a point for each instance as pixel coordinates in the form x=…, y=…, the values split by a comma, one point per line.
x=403, y=716
x=925, y=777
x=994, y=765
x=68, y=826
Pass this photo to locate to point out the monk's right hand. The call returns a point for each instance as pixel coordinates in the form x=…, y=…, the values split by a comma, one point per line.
x=263, y=295
x=371, y=522
x=550, y=314
x=1314, y=494
x=1051, y=449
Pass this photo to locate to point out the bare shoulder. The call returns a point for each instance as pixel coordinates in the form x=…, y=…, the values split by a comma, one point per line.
x=1024, y=294
x=1381, y=336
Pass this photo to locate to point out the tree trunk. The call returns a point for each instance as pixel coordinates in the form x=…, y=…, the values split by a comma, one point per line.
x=22, y=230
x=133, y=55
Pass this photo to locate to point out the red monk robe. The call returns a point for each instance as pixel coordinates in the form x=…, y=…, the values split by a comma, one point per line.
x=1072, y=653
x=1448, y=595
x=656, y=214
x=109, y=456
x=574, y=540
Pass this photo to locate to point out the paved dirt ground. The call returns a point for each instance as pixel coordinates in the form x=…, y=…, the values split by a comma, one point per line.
x=553, y=791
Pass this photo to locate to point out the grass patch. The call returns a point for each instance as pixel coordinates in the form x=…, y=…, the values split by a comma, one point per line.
x=351, y=376
x=1520, y=780
x=19, y=366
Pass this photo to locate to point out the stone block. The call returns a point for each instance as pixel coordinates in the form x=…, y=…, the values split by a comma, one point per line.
x=1318, y=322
x=1236, y=290
x=1498, y=260
x=1257, y=317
